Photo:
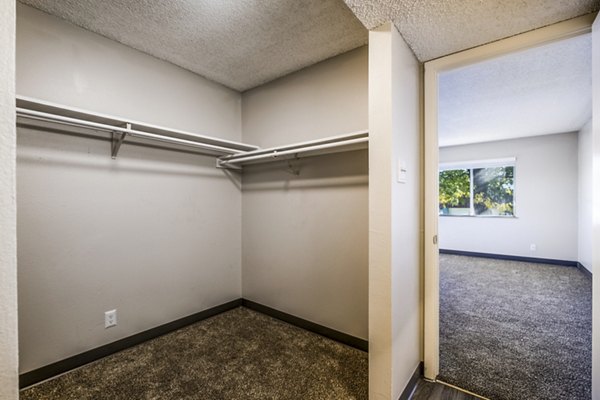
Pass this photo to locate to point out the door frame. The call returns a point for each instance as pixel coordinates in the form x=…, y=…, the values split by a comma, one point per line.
x=559, y=31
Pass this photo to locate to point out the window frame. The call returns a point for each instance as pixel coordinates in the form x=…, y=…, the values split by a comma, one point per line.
x=487, y=163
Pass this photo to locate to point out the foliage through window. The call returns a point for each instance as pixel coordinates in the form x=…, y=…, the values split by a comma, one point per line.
x=477, y=190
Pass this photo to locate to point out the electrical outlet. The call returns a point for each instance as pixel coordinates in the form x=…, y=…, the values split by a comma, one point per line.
x=110, y=318
x=532, y=247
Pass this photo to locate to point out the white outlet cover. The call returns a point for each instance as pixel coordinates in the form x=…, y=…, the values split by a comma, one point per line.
x=110, y=318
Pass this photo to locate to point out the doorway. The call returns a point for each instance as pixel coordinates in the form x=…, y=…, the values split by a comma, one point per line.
x=434, y=72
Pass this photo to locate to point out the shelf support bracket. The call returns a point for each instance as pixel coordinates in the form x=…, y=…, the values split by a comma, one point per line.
x=292, y=169
x=117, y=139
x=224, y=165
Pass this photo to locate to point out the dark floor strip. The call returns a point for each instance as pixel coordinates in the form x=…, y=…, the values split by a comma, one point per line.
x=507, y=257
x=341, y=337
x=426, y=390
x=412, y=383
x=584, y=270
x=62, y=366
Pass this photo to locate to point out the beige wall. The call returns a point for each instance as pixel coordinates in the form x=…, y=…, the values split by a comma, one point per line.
x=8, y=247
x=326, y=99
x=305, y=237
x=545, y=200
x=155, y=234
x=586, y=192
x=59, y=62
x=394, y=214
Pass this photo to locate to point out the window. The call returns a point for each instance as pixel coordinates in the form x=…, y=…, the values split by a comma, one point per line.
x=478, y=188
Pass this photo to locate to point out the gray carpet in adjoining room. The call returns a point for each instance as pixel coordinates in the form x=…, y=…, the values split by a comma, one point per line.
x=512, y=330
x=240, y=354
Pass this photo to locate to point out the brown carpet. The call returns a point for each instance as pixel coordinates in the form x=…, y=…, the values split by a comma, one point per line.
x=240, y=354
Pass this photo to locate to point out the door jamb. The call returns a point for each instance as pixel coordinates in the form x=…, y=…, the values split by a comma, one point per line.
x=559, y=31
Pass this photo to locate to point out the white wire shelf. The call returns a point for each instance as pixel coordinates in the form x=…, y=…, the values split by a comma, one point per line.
x=121, y=128
x=230, y=154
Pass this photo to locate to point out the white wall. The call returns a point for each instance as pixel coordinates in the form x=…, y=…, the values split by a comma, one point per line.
x=8, y=233
x=546, y=187
x=586, y=189
x=305, y=237
x=394, y=214
x=155, y=234
x=596, y=208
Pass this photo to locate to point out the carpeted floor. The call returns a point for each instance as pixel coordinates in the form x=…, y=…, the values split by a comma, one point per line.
x=513, y=330
x=239, y=354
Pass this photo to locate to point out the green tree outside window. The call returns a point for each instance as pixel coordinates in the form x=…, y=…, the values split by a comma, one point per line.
x=492, y=191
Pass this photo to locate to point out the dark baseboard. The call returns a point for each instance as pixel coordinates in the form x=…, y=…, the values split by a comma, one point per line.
x=584, y=270
x=62, y=366
x=511, y=258
x=341, y=337
x=412, y=383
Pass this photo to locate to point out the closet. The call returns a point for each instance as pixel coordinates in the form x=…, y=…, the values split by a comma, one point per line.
x=147, y=189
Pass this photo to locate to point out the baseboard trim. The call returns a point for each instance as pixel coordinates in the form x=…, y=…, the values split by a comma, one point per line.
x=341, y=337
x=62, y=366
x=412, y=383
x=49, y=371
x=551, y=261
x=584, y=270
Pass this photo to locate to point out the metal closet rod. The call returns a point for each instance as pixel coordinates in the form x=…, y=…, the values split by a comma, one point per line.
x=47, y=117
x=274, y=153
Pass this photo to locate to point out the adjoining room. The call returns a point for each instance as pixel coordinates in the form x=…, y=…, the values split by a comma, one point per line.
x=515, y=221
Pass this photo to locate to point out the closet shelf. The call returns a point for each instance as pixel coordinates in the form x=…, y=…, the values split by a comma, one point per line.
x=230, y=154
x=334, y=144
x=120, y=129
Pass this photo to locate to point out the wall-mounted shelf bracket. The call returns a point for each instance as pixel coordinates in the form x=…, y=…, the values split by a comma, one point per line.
x=293, y=169
x=221, y=165
x=117, y=139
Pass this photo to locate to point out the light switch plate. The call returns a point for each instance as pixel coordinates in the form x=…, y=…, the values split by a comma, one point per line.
x=401, y=174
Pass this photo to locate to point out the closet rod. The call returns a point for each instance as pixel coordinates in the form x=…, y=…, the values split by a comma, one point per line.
x=47, y=117
x=274, y=154
x=330, y=139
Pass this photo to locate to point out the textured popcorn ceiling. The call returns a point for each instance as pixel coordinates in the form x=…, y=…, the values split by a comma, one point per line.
x=543, y=90
x=440, y=27
x=239, y=43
